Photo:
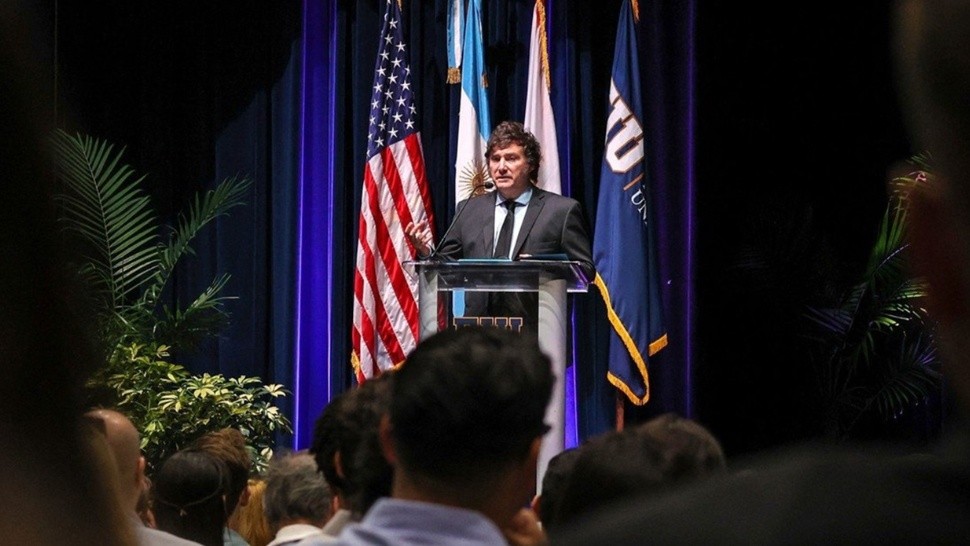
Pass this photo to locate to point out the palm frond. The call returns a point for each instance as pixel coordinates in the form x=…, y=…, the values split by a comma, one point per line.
x=204, y=209
x=910, y=376
x=887, y=259
x=104, y=206
x=185, y=328
x=878, y=353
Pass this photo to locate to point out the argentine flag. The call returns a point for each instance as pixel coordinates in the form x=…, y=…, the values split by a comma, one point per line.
x=474, y=122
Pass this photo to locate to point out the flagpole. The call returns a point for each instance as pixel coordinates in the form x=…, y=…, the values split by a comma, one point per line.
x=620, y=410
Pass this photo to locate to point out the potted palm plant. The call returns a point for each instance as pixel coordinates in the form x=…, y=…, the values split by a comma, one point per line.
x=874, y=353
x=126, y=258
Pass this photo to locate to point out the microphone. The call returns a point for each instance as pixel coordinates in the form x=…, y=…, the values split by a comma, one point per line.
x=488, y=185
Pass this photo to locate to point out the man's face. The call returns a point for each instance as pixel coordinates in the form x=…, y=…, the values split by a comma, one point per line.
x=510, y=170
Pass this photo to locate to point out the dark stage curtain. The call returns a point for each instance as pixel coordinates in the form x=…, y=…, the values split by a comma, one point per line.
x=278, y=91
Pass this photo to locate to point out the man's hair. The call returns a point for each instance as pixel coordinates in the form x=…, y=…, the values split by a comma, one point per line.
x=349, y=425
x=554, y=481
x=188, y=496
x=295, y=489
x=512, y=132
x=688, y=449
x=469, y=402
x=664, y=452
x=229, y=446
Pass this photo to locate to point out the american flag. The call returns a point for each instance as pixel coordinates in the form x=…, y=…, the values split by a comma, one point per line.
x=395, y=194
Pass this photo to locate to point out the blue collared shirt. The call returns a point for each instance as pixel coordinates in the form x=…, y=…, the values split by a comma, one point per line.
x=396, y=521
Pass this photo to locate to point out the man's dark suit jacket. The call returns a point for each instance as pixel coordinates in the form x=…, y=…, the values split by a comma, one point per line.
x=553, y=224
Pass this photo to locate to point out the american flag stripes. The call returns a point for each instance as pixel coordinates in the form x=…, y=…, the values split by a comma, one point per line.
x=395, y=194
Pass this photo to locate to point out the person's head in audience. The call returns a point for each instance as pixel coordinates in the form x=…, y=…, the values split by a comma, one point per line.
x=347, y=448
x=144, y=505
x=665, y=452
x=933, y=54
x=125, y=444
x=250, y=520
x=687, y=448
x=296, y=492
x=553, y=482
x=189, y=496
x=466, y=421
x=101, y=453
x=229, y=446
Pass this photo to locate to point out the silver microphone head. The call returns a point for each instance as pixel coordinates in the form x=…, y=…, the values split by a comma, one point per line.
x=488, y=185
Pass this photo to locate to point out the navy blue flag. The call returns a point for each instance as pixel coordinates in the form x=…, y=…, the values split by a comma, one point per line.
x=623, y=249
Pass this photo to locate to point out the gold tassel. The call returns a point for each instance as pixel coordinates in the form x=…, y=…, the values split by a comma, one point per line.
x=454, y=75
x=484, y=80
x=636, y=10
x=544, y=45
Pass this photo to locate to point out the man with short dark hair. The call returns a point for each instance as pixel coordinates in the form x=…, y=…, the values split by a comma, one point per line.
x=463, y=433
x=347, y=451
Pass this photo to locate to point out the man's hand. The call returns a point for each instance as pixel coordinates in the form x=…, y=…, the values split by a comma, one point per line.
x=420, y=236
x=524, y=530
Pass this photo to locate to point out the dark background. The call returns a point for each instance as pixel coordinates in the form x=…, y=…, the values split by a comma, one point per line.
x=796, y=121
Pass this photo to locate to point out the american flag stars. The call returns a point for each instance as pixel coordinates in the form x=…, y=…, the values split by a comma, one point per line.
x=392, y=115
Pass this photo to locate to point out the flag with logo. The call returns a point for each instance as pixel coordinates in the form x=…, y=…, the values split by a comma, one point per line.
x=474, y=122
x=539, y=119
x=623, y=247
x=395, y=194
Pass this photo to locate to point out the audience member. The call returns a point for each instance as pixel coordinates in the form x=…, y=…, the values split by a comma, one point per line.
x=820, y=497
x=250, y=520
x=144, y=506
x=347, y=450
x=229, y=446
x=100, y=453
x=553, y=482
x=190, y=497
x=129, y=469
x=297, y=500
x=664, y=452
x=463, y=431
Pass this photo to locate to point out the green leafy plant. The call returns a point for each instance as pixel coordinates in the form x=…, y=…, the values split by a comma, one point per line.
x=874, y=353
x=173, y=407
x=127, y=257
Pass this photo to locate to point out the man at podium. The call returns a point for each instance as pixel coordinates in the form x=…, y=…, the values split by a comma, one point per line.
x=517, y=220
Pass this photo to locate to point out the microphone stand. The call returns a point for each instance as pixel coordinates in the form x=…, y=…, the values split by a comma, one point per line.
x=437, y=248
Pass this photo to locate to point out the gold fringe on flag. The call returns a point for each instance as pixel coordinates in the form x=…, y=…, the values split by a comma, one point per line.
x=543, y=43
x=454, y=74
x=484, y=80
x=636, y=10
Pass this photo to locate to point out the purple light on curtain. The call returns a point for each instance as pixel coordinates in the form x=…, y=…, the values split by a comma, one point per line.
x=312, y=389
x=689, y=265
